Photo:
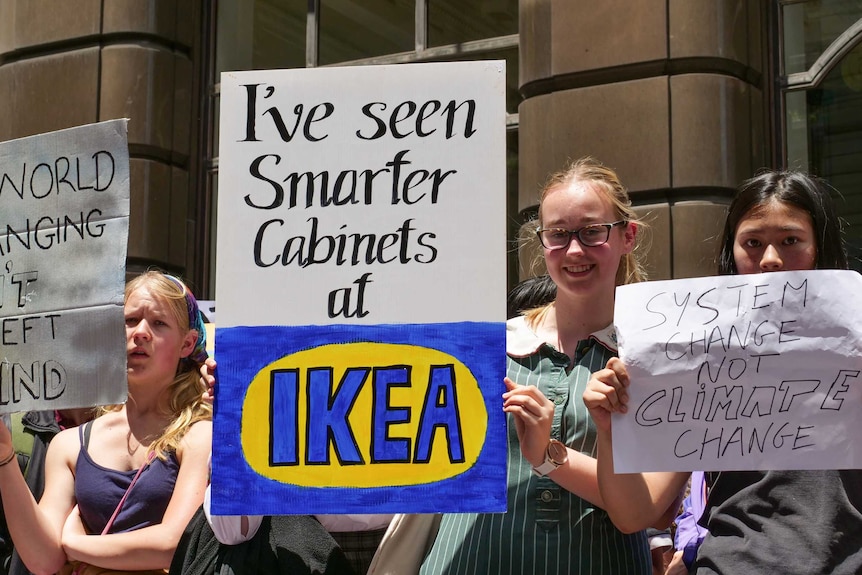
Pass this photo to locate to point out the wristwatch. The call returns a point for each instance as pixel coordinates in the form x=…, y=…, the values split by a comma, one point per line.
x=555, y=455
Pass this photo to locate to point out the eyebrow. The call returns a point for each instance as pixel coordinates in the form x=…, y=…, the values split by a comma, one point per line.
x=756, y=229
x=585, y=221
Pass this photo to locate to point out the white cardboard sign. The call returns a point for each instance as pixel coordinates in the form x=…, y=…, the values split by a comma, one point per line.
x=64, y=220
x=363, y=193
x=746, y=372
x=361, y=309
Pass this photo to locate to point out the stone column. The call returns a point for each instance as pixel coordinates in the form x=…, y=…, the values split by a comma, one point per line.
x=65, y=63
x=669, y=93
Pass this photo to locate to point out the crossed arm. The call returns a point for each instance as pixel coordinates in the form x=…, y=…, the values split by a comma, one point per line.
x=150, y=547
x=49, y=533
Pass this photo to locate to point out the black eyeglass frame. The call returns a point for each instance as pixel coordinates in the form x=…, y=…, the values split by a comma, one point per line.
x=577, y=234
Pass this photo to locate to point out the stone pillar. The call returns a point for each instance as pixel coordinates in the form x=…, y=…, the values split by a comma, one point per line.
x=669, y=93
x=65, y=63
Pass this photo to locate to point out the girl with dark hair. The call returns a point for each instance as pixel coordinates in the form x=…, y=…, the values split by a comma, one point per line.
x=789, y=522
x=792, y=189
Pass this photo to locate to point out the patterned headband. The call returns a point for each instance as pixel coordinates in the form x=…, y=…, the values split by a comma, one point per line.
x=196, y=322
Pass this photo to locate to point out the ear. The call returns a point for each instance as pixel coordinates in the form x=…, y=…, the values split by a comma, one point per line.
x=189, y=342
x=630, y=232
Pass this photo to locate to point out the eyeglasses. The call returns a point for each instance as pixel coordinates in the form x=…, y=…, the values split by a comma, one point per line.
x=589, y=236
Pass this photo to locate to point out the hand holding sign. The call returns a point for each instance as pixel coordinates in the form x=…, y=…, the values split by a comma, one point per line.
x=607, y=392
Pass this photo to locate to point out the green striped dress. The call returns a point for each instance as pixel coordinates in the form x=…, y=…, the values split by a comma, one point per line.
x=547, y=529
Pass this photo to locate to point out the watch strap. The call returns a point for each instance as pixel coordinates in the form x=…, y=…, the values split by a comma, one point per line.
x=545, y=468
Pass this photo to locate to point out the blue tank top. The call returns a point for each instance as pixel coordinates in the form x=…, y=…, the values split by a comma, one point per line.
x=99, y=490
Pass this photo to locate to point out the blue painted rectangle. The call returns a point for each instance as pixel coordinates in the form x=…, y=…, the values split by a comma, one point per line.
x=243, y=352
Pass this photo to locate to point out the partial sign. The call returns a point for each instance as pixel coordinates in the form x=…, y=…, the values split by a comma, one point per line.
x=64, y=220
x=361, y=289
x=741, y=373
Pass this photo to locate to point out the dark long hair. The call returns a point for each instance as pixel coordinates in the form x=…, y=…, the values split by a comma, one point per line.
x=798, y=189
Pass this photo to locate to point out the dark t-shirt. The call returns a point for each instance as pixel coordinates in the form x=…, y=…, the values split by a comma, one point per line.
x=788, y=522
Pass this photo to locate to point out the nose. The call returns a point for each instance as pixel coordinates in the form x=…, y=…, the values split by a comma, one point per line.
x=771, y=260
x=574, y=246
x=141, y=330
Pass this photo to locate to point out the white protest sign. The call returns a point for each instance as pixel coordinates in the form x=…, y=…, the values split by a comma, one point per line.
x=747, y=372
x=361, y=193
x=361, y=290
x=64, y=220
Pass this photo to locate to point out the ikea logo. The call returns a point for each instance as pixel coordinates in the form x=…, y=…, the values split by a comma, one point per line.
x=338, y=413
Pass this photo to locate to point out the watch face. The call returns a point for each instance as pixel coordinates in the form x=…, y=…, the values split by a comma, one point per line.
x=557, y=452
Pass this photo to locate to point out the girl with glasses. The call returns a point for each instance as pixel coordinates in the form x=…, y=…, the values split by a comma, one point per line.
x=555, y=521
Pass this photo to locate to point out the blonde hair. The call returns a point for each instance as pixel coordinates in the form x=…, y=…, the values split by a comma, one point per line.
x=186, y=404
x=606, y=182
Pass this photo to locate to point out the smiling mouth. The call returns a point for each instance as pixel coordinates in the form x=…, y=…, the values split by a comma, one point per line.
x=578, y=269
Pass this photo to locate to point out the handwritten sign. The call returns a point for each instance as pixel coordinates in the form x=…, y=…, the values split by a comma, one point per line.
x=360, y=279
x=64, y=220
x=741, y=373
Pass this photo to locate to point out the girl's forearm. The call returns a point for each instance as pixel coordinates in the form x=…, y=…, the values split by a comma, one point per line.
x=148, y=548
x=35, y=536
x=634, y=501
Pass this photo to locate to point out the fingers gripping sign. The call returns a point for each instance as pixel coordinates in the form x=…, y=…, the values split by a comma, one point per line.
x=208, y=380
x=607, y=393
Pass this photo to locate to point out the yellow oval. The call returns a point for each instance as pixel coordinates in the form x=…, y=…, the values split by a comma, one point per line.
x=472, y=415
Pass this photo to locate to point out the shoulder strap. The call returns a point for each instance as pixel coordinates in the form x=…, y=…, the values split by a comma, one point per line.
x=150, y=456
x=84, y=433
